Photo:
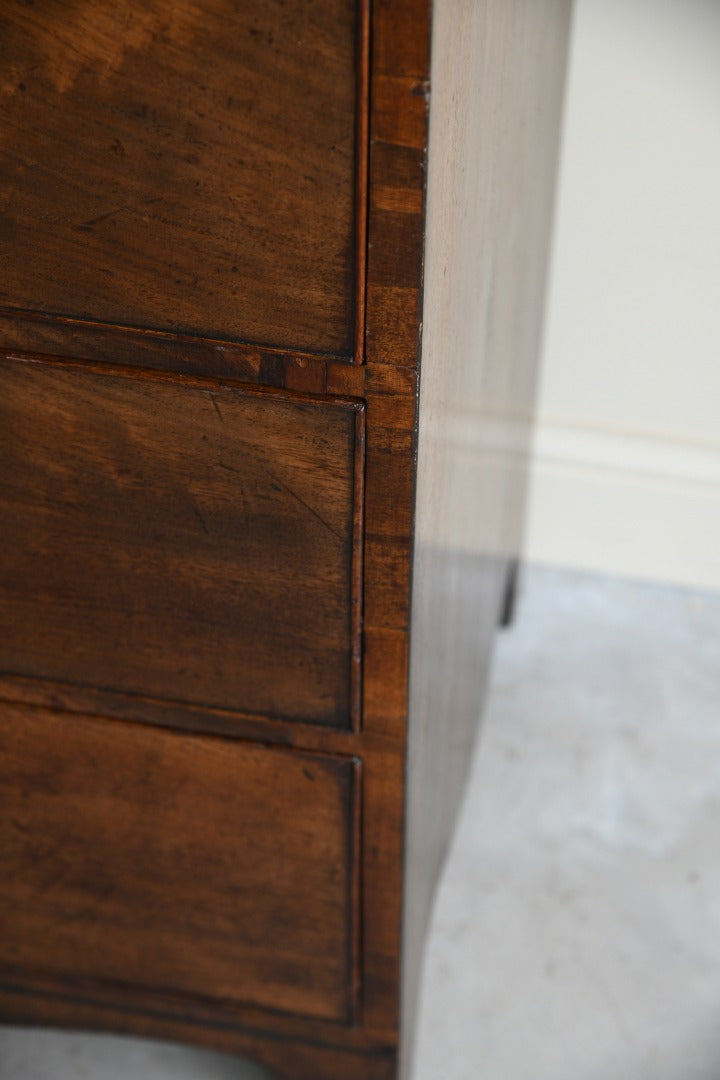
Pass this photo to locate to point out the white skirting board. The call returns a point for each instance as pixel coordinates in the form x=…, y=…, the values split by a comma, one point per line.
x=633, y=506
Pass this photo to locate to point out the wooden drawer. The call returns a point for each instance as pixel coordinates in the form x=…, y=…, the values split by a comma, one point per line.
x=152, y=861
x=180, y=540
x=182, y=166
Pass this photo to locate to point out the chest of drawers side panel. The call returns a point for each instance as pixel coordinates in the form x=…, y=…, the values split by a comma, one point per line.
x=497, y=82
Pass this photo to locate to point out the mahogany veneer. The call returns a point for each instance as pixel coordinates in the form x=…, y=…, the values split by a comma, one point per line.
x=250, y=567
x=188, y=541
x=223, y=887
x=183, y=166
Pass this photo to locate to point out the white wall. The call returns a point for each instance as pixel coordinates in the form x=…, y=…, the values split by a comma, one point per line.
x=626, y=473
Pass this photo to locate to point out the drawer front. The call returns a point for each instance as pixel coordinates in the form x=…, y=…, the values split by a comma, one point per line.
x=179, y=166
x=179, y=541
x=144, y=860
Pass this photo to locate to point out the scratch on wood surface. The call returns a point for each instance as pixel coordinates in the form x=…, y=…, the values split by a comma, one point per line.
x=217, y=408
x=298, y=498
x=116, y=210
x=200, y=518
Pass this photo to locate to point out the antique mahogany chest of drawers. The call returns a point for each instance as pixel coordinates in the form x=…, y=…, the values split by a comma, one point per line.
x=250, y=565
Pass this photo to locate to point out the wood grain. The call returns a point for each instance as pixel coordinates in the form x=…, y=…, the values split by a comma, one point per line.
x=194, y=866
x=378, y=853
x=421, y=326
x=497, y=77
x=185, y=541
x=182, y=164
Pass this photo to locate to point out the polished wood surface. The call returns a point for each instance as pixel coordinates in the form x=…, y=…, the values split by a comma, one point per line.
x=194, y=866
x=182, y=165
x=183, y=541
x=498, y=81
x=334, y=551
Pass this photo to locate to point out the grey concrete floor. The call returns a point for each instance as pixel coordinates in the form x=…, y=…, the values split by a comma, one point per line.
x=577, y=930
